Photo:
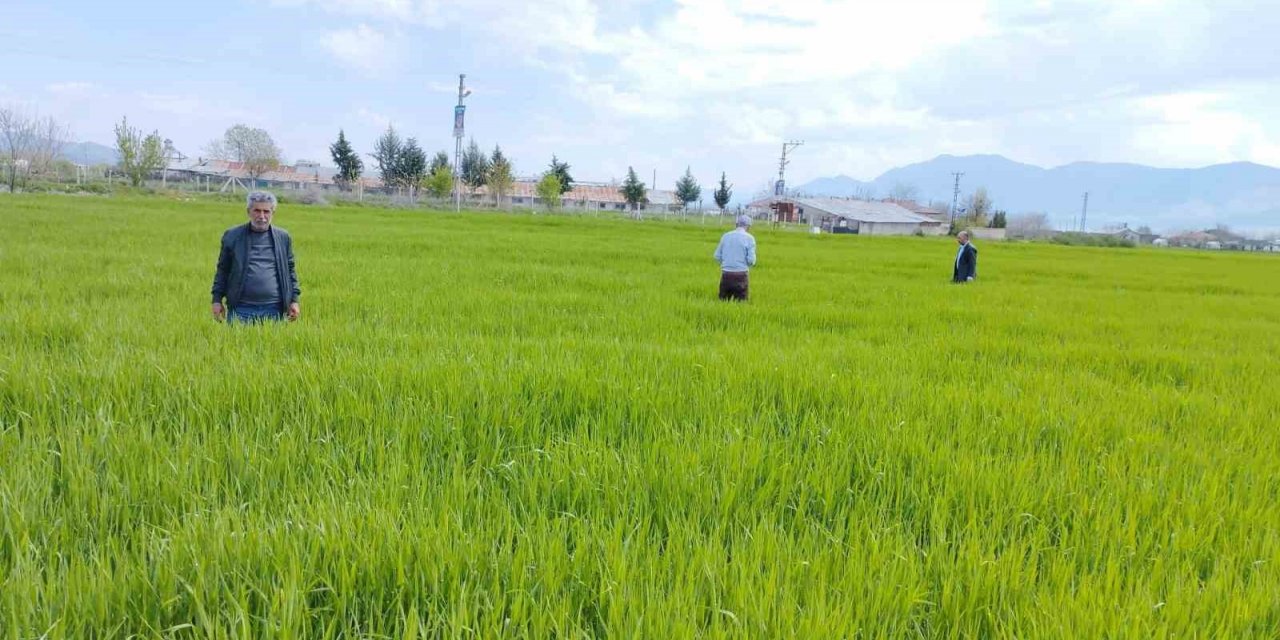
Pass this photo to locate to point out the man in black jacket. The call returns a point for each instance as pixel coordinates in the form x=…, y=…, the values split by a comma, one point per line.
x=255, y=272
x=966, y=268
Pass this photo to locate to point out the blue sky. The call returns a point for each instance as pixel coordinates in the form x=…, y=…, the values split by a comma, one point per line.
x=716, y=85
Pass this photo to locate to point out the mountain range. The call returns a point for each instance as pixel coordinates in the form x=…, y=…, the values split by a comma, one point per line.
x=1242, y=195
x=90, y=153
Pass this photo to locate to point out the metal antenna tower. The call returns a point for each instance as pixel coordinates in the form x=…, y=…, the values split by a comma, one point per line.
x=955, y=195
x=459, y=113
x=780, y=188
x=1084, y=212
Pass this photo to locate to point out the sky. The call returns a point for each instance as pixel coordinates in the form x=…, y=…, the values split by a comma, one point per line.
x=710, y=85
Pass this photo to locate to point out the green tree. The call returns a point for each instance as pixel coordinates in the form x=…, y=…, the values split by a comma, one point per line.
x=439, y=183
x=140, y=155
x=349, y=164
x=687, y=189
x=723, y=193
x=633, y=191
x=411, y=165
x=999, y=220
x=386, y=152
x=561, y=170
x=501, y=176
x=474, y=166
x=440, y=160
x=549, y=189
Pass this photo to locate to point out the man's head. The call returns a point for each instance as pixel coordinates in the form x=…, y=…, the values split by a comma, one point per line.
x=744, y=221
x=962, y=237
x=261, y=206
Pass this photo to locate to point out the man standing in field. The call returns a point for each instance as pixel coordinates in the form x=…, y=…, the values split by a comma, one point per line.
x=255, y=268
x=736, y=255
x=966, y=267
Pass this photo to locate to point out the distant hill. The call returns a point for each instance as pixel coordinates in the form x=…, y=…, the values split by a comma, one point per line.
x=90, y=153
x=1243, y=195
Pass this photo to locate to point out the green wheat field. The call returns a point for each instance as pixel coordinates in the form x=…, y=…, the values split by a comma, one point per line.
x=514, y=426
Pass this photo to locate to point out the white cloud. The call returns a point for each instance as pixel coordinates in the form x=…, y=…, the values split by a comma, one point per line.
x=362, y=48
x=1202, y=127
x=172, y=103
x=521, y=25
x=397, y=9
x=70, y=89
x=702, y=47
x=714, y=46
x=870, y=85
x=373, y=118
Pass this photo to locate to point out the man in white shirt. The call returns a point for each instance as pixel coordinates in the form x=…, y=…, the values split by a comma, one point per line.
x=736, y=254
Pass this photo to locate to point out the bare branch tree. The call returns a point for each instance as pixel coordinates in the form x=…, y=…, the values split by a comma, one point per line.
x=903, y=192
x=29, y=144
x=1029, y=225
x=17, y=131
x=48, y=139
x=252, y=147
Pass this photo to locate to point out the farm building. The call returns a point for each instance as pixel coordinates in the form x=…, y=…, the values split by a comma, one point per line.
x=589, y=196
x=1124, y=233
x=844, y=215
x=927, y=211
x=224, y=174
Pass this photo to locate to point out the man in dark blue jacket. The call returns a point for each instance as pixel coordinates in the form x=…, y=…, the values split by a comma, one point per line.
x=966, y=268
x=255, y=275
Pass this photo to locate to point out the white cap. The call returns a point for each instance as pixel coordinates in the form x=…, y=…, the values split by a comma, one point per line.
x=744, y=220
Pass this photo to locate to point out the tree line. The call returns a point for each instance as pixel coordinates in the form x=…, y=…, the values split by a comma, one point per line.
x=142, y=154
x=401, y=163
x=29, y=143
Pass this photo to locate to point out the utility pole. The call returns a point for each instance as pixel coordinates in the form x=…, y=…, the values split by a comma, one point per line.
x=654, y=185
x=1084, y=212
x=780, y=188
x=955, y=196
x=459, y=116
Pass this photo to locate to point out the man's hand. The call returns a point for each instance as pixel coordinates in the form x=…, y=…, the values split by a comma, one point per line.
x=219, y=313
x=294, y=311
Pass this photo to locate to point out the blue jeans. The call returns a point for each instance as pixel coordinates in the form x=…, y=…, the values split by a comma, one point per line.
x=255, y=314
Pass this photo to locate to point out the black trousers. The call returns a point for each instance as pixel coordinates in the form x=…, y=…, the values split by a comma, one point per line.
x=733, y=285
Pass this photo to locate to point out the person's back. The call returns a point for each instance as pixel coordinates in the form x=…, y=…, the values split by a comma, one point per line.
x=736, y=254
x=737, y=251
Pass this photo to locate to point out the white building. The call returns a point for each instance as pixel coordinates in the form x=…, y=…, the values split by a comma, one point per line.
x=845, y=215
x=589, y=196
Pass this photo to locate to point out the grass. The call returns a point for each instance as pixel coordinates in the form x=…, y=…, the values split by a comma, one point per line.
x=492, y=425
